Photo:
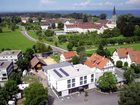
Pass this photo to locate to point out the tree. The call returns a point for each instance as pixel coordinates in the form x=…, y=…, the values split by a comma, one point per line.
x=1, y=30
x=75, y=60
x=107, y=82
x=13, y=26
x=49, y=33
x=16, y=76
x=80, y=49
x=30, y=20
x=70, y=46
x=37, y=91
x=3, y=97
x=130, y=95
x=85, y=19
x=126, y=24
x=129, y=75
x=103, y=16
x=11, y=88
x=41, y=47
x=53, y=26
x=60, y=25
x=137, y=30
x=119, y=64
x=103, y=52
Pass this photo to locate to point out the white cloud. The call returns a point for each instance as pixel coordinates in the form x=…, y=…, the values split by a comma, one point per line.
x=45, y=2
x=88, y=3
x=136, y=2
x=83, y=4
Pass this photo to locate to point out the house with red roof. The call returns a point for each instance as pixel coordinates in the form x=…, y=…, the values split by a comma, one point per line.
x=122, y=54
x=83, y=27
x=67, y=56
x=99, y=65
x=128, y=55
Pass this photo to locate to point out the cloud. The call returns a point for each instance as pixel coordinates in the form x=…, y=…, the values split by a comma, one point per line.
x=45, y=2
x=83, y=4
x=88, y=3
x=136, y=2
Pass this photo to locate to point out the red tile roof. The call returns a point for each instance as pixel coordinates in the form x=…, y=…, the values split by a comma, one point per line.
x=122, y=52
x=87, y=25
x=135, y=56
x=96, y=61
x=69, y=54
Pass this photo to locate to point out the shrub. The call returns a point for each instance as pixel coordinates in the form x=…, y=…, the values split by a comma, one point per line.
x=119, y=64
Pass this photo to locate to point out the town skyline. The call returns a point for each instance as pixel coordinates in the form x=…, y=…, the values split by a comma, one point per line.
x=47, y=5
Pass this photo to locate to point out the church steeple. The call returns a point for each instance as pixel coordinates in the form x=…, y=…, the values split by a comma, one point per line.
x=114, y=16
x=114, y=11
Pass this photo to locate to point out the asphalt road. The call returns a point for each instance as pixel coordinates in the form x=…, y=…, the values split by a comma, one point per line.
x=55, y=49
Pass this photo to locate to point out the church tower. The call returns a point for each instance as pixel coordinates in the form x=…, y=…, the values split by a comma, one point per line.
x=114, y=16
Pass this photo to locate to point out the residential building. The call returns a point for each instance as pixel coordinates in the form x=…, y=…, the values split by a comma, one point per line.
x=6, y=68
x=44, y=26
x=11, y=55
x=65, y=78
x=99, y=65
x=37, y=63
x=126, y=55
x=67, y=56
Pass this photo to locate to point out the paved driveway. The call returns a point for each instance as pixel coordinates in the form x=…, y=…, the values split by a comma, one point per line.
x=93, y=98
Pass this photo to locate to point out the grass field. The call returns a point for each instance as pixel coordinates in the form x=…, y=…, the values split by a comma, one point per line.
x=14, y=40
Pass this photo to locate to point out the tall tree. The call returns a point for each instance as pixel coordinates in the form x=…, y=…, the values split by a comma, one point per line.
x=85, y=18
x=37, y=91
x=107, y=82
x=103, y=16
x=130, y=95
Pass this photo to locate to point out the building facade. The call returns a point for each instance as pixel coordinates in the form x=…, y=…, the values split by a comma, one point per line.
x=6, y=68
x=65, y=78
x=11, y=55
x=99, y=65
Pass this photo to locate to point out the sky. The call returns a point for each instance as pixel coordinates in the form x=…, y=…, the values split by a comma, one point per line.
x=44, y=5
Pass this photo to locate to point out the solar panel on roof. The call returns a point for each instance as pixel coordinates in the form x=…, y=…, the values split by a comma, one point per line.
x=58, y=73
x=64, y=72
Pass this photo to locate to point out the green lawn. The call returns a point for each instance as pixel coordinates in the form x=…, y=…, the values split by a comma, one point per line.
x=14, y=40
x=135, y=46
x=33, y=34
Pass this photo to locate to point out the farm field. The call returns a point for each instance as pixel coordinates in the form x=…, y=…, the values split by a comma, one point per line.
x=14, y=40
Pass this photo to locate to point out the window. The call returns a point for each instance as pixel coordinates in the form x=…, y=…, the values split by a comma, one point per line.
x=92, y=78
x=81, y=78
x=85, y=81
x=85, y=77
x=69, y=81
x=4, y=74
x=69, y=85
x=73, y=84
x=4, y=78
x=73, y=80
x=81, y=82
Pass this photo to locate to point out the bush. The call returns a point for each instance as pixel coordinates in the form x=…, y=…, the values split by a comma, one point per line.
x=119, y=64
x=125, y=64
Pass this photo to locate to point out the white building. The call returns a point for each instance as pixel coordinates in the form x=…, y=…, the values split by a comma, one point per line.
x=6, y=67
x=126, y=55
x=11, y=55
x=67, y=56
x=44, y=26
x=65, y=78
x=99, y=65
